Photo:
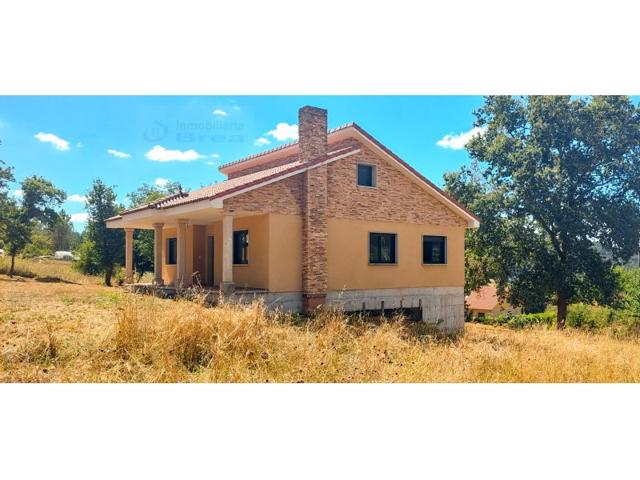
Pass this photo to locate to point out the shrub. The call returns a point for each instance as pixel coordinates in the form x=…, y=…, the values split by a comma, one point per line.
x=120, y=275
x=520, y=321
x=88, y=262
x=590, y=317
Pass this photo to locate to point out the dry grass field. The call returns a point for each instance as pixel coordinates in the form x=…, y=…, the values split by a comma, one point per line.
x=79, y=331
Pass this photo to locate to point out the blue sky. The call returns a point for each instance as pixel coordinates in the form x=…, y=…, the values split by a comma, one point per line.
x=129, y=140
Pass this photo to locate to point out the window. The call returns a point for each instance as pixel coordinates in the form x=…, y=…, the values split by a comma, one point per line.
x=382, y=248
x=433, y=249
x=172, y=251
x=241, y=247
x=366, y=175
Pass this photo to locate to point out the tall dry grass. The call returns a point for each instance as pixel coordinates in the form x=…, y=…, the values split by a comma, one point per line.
x=88, y=333
x=47, y=270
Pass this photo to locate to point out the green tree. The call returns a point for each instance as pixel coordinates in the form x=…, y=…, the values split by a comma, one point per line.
x=559, y=174
x=40, y=242
x=62, y=234
x=6, y=177
x=39, y=201
x=88, y=261
x=143, y=239
x=107, y=243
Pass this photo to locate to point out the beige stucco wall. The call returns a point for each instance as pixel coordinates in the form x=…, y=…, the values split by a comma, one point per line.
x=348, y=254
x=256, y=273
x=169, y=271
x=285, y=253
x=275, y=254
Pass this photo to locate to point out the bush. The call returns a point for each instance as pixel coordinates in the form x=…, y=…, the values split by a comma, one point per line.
x=120, y=275
x=87, y=262
x=590, y=317
x=520, y=321
x=630, y=282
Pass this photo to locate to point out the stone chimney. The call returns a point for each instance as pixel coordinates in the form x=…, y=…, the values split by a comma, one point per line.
x=312, y=129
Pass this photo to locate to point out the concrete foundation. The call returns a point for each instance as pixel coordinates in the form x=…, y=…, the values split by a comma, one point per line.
x=442, y=307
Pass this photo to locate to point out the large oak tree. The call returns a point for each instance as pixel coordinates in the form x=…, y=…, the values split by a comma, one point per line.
x=555, y=177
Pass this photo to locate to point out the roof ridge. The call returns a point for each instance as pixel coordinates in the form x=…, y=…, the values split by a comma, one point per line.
x=280, y=147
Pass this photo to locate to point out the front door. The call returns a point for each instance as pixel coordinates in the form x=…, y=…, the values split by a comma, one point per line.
x=209, y=261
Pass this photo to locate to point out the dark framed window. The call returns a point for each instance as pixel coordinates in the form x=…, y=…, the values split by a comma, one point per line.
x=382, y=248
x=434, y=249
x=172, y=251
x=366, y=175
x=241, y=247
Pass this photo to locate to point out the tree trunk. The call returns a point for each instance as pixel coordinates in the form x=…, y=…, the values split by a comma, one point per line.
x=107, y=276
x=13, y=264
x=562, y=309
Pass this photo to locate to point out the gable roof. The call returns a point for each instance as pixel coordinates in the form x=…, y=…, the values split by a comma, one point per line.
x=484, y=298
x=241, y=183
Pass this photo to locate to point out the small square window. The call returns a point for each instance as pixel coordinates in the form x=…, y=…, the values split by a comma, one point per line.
x=366, y=175
x=382, y=248
x=241, y=247
x=434, y=249
x=172, y=251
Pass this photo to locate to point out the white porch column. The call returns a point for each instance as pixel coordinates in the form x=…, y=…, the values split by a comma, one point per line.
x=157, y=254
x=181, y=260
x=128, y=254
x=227, y=285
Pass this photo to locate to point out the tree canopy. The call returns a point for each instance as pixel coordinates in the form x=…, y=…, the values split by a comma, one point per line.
x=107, y=243
x=554, y=175
x=40, y=200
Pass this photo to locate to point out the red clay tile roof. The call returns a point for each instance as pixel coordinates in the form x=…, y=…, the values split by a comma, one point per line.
x=485, y=298
x=217, y=190
x=276, y=149
x=230, y=186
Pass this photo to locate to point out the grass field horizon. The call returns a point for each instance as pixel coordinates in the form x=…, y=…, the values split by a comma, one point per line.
x=61, y=326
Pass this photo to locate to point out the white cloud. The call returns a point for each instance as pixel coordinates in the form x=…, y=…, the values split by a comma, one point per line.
x=117, y=153
x=220, y=112
x=79, y=144
x=17, y=193
x=161, y=182
x=261, y=142
x=284, y=131
x=79, y=217
x=215, y=155
x=236, y=108
x=55, y=140
x=212, y=163
x=77, y=198
x=161, y=154
x=457, y=142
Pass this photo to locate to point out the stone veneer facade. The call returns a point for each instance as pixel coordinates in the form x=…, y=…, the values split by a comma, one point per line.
x=312, y=126
x=396, y=198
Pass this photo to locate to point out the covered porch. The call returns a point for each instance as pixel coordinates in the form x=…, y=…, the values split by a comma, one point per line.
x=194, y=246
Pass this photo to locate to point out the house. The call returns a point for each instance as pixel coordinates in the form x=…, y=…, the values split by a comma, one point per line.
x=485, y=302
x=335, y=218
